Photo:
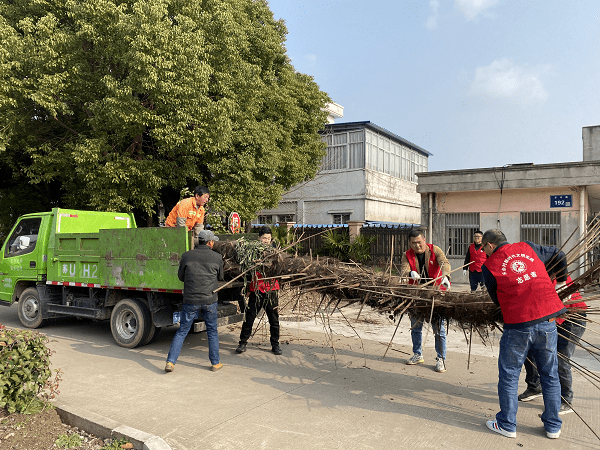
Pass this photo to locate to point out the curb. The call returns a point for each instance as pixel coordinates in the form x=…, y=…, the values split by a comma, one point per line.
x=106, y=428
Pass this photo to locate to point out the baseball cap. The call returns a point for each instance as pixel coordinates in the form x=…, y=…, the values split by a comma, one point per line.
x=207, y=235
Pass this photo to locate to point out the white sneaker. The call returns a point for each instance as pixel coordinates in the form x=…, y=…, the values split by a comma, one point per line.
x=493, y=425
x=440, y=366
x=553, y=435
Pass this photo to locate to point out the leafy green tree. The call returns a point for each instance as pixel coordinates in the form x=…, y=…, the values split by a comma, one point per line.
x=117, y=105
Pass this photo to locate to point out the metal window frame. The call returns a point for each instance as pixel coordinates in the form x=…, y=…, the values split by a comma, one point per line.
x=541, y=227
x=459, y=231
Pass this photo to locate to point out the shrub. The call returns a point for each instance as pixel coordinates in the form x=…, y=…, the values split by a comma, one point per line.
x=337, y=244
x=25, y=375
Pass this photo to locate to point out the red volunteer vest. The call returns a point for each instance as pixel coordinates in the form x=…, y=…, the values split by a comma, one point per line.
x=433, y=268
x=574, y=296
x=524, y=289
x=263, y=286
x=477, y=258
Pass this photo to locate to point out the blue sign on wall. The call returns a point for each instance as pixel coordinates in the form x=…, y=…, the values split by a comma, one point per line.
x=561, y=201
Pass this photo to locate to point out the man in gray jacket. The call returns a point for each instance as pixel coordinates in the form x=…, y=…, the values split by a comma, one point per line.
x=200, y=270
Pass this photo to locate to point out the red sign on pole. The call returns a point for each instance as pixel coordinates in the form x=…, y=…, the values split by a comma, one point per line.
x=235, y=223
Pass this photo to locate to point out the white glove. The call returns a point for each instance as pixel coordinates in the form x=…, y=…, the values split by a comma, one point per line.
x=465, y=272
x=445, y=282
x=560, y=285
x=414, y=275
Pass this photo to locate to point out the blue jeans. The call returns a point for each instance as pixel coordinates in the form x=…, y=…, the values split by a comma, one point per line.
x=569, y=334
x=540, y=339
x=188, y=314
x=439, y=329
x=475, y=279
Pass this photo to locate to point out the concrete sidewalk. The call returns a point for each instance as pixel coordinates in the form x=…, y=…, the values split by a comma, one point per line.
x=306, y=398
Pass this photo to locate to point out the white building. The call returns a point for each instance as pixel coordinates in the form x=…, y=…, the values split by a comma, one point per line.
x=368, y=175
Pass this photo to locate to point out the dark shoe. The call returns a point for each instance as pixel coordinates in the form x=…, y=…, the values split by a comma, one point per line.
x=530, y=394
x=276, y=350
x=241, y=348
x=564, y=409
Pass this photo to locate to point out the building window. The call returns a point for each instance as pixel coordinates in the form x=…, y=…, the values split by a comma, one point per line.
x=286, y=218
x=459, y=232
x=344, y=151
x=387, y=156
x=542, y=228
x=265, y=219
x=340, y=219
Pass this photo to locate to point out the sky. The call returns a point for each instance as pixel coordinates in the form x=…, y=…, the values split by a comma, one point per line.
x=477, y=83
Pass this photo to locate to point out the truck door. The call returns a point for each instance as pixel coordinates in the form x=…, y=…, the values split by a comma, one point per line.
x=19, y=258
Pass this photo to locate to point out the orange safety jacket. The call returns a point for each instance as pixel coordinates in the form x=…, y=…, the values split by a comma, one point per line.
x=188, y=209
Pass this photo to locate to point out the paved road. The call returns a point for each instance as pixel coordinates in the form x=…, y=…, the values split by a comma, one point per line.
x=310, y=397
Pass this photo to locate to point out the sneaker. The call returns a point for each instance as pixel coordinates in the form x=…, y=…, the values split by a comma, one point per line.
x=416, y=359
x=216, y=367
x=276, y=350
x=241, y=348
x=440, y=366
x=530, y=394
x=493, y=425
x=170, y=367
x=553, y=435
x=564, y=409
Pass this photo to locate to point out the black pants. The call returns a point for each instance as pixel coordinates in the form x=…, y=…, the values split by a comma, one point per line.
x=256, y=301
x=475, y=279
x=569, y=335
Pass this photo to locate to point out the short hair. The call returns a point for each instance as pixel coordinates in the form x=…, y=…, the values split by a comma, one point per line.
x=201, y=190
x=494, y=236
x=264, y=230
x=478, y=232
x=416, y=232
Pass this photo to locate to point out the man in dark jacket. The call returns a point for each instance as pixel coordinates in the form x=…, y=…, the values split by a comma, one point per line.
x=518, y=280
x=200, y=270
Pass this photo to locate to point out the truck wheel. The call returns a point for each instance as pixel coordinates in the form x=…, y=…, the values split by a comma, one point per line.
x=30, y=308
x=153, y=335
x=130, y=323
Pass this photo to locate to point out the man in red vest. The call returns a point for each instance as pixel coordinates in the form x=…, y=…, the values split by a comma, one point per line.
x=422, y=263
x=517, y=280
x=569, y=335
x=476, y=256
x=263, y=294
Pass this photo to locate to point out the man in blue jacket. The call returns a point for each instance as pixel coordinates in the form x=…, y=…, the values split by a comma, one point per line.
x=517, y=279
x=200, y=270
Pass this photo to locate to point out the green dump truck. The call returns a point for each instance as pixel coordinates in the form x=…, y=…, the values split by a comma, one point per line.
x=99, y=265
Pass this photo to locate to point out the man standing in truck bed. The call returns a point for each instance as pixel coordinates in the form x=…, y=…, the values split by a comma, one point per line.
x=199, y=269
x=189, y=212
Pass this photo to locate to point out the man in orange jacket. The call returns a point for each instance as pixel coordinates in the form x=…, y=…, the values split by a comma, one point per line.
x=189, y=212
